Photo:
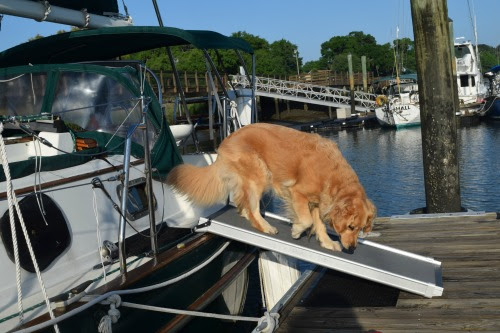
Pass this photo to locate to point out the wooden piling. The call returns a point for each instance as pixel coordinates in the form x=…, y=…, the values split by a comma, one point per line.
x=437, y=112
x=456, y=100
x=277, y=108
x=363, y=69
x=196, y=81
x=162, y=82
x=351, y=83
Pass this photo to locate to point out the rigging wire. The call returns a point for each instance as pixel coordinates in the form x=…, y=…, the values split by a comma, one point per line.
x=105, y=296
x=38, y=181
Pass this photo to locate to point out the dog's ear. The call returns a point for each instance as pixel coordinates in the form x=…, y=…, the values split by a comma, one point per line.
x=342, y=214
x=371, y=214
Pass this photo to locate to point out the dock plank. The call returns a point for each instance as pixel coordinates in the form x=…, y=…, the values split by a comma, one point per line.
x=469, y=249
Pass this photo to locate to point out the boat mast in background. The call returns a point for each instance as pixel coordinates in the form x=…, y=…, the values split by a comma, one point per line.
x=472, y=14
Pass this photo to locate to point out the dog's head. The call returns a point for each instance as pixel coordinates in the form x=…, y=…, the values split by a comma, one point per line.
x=349, y=217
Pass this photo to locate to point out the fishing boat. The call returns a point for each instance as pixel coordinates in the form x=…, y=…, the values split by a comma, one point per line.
x=87, y=221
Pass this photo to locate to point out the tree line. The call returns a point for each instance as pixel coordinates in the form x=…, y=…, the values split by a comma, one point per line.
x=280, y=58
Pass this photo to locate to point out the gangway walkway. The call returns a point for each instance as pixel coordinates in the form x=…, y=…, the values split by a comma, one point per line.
x=372, y=261
x=307, y=93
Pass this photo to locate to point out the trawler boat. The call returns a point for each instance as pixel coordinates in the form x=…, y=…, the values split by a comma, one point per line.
x=471, y=89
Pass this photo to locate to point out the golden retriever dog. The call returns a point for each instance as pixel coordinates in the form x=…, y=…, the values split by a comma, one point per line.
x=307, y=171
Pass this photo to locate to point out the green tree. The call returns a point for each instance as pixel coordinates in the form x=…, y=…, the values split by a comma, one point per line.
x=334, y=53
x=313, y=65
x=489, y=56
x=38, y=36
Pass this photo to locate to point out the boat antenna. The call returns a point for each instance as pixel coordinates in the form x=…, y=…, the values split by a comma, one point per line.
x=158, y=15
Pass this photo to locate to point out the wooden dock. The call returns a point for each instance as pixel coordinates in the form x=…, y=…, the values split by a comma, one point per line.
x=469, y=249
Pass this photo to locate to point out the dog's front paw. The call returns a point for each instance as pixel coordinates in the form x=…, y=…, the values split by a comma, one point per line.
x=331, y=245
x=297, y=231
x=271, y=230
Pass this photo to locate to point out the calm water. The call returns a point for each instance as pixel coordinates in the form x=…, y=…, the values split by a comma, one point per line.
x=389, y=165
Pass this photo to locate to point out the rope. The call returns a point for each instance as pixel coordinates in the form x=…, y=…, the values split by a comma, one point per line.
x=38, y=180
x=12, y=226
x=265, y=324
x=189, y=313
x=105, y=325
x=12, y=201
x=47, y=11
x=86, y=17
x=98, y=299
x=268, y=323
x=99, y=241
x=235, y=116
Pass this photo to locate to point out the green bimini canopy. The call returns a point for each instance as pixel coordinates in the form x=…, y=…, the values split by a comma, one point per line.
x=111, y=42
x=93, y=101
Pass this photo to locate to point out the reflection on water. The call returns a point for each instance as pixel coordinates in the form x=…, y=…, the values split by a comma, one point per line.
x=389, y=165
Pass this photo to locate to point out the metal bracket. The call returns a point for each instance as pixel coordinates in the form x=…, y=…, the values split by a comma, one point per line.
x=203, y=225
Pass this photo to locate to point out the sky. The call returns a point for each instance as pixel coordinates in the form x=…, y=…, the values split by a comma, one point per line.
x=306, y=24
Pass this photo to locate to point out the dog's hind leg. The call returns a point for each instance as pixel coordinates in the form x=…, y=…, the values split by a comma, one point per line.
x=320, y=230
x=303, y=219
x=247, y=198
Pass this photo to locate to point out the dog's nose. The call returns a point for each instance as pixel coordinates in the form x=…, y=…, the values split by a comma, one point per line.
x=350, y=249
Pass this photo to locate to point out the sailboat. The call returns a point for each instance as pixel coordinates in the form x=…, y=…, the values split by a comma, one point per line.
x=399, y=107
x=86, y=218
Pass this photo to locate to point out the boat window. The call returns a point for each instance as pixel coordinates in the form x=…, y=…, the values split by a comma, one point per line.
x=464, y=80
x=91, y=101
x=472, y=81
x=48, y=232
x=137, y=203
x=22, y=95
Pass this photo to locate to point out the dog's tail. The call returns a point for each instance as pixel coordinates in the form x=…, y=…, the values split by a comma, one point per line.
x=201, y=185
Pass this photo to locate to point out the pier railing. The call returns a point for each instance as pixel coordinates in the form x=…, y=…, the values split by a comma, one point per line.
x=308, y=93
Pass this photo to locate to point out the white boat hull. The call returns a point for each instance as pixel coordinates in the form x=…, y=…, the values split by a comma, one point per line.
x=85, y=219
x=398, y=115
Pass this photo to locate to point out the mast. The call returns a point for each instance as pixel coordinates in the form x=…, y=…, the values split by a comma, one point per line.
x=396, y=59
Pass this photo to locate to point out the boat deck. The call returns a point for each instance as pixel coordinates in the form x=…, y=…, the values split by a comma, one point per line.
x=469, y=249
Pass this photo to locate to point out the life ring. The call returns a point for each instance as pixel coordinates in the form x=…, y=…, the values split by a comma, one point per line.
x=381, y=100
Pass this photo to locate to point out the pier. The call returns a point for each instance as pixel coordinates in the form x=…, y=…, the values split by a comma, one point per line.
x=467, y=246
x=307, y=93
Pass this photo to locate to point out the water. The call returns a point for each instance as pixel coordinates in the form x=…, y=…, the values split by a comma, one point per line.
x=389, y=165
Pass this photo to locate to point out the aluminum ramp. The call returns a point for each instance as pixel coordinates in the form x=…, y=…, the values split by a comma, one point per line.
x=371, y=261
